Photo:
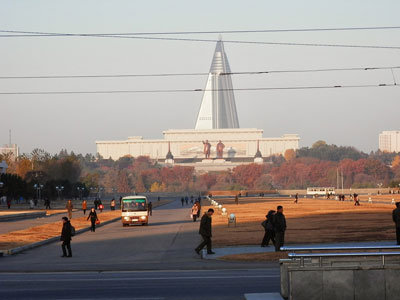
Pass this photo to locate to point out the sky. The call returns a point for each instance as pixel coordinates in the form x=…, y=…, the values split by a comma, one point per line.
x=347, y=116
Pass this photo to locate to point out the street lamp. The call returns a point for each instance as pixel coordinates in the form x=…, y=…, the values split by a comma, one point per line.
x=59, y=189
x=80, y=190
x=38, y=188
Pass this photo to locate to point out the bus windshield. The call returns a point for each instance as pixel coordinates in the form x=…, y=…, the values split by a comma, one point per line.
x=134, y=205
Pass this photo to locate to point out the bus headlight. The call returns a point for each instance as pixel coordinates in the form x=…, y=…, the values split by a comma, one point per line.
x=126, y=218
x=143, y=217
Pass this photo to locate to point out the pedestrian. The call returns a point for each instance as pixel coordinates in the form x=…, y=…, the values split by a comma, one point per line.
x=296, y=198
x=9, y=203
x=112, y=204
x=356, y=200
x=158, y=198
x=31, y=204
x=66, y=237
x=279, y=224
x=191, y=199
x=205, y=232
x=187, y=200
x=96, y=203
x=198, y=208
x=93, y=219
x=101, y=206
x=120, y=201
x=150, y=208
x=237, y=200
x=396, y=220
x=47, y=203
x=69, y=208
x=84, y=207
x=269, y=229
x=195, y=210
x=182, y=200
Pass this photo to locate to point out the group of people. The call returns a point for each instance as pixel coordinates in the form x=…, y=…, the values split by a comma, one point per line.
x=185, y=200
x=275, y=227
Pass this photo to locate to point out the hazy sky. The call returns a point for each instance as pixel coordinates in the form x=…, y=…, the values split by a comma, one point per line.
x=340, y=116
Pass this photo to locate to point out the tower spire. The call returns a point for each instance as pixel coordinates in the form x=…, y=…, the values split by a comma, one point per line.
x=218, y=107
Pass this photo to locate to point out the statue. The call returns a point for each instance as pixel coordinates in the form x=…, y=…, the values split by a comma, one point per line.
x=207, y=149
x=220, y=149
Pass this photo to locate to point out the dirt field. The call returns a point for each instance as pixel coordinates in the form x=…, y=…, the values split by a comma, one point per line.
x=309, y=221
x=39, y=233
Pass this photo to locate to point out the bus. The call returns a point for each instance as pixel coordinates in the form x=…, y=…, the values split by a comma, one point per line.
x=134, y=210
x=320, y=191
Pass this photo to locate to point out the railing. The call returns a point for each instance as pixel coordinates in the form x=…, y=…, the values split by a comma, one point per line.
x=320, y=256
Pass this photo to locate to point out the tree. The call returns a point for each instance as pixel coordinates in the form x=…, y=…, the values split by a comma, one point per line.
x=396, y=161
x=289, y=154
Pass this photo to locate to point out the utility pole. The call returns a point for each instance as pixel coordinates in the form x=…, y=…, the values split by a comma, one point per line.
x=342, y=180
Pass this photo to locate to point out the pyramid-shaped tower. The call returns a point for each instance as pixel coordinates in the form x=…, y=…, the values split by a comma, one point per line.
x=218, y=107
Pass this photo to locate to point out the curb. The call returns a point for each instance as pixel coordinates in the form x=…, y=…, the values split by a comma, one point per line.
x=50, y=240
x=22, y=216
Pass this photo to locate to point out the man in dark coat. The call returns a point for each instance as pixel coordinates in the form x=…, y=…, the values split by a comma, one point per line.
x=66, y=237
x=396, y=220
x=205, y=232
x=279, y=228
x=269, y=229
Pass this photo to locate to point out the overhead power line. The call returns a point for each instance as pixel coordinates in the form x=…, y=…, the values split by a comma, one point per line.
x=137, y=36
x=216, y=31
x=199, y=90
x=199, y=73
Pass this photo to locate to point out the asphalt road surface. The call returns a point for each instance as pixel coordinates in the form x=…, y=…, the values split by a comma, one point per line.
x=140, y=262
x=219, y=284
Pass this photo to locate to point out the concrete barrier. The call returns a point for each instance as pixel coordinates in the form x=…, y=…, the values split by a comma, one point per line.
x=360, y=278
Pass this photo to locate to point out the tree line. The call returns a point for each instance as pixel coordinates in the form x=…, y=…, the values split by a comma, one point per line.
x=88, y=175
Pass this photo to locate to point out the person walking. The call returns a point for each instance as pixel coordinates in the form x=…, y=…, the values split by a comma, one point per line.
x=93, y=218
x=66, y=237
x=112, y=204
x=150, y=208
x=205, y=232
x=101, y=206
x=182, y=200
x=69, y=208
x=195, y=210
x=296, y=198
x=356, y=200
x=9, y=202
x=236, y=200
x=269, y=229
x=84, y=207
x=198, y=208
x=187, y=200
x=47, y=203
x=279, y=228
x=396, y=220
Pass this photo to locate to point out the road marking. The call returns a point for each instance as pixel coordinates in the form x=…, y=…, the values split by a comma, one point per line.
x=143, y=279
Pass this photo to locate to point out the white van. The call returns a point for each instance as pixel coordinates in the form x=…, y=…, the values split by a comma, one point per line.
x=134, y=210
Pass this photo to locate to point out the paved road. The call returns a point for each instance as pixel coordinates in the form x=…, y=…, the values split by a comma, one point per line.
x=152, y=285
x=166, y=244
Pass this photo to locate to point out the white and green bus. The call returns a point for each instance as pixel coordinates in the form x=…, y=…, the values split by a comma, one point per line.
x=134, y=210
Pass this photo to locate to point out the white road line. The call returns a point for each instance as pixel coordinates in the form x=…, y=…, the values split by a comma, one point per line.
x=143, y=279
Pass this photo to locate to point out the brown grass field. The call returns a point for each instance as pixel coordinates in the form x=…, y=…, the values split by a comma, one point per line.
x=309, y=221
x=38, y=233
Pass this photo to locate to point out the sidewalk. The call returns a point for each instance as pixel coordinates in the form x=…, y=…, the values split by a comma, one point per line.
x=223, y=251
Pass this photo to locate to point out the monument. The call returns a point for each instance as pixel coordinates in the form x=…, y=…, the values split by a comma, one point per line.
x=217, y=142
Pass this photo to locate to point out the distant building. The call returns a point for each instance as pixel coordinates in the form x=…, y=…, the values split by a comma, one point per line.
x=217, y=122
x=3, y=167
x=389, y=141
x=12, y=149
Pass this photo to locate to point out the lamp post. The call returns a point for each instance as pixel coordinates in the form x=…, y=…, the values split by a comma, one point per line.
x=1, y=187
x=38, y=188
x=59, y=189
x=80, y=191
